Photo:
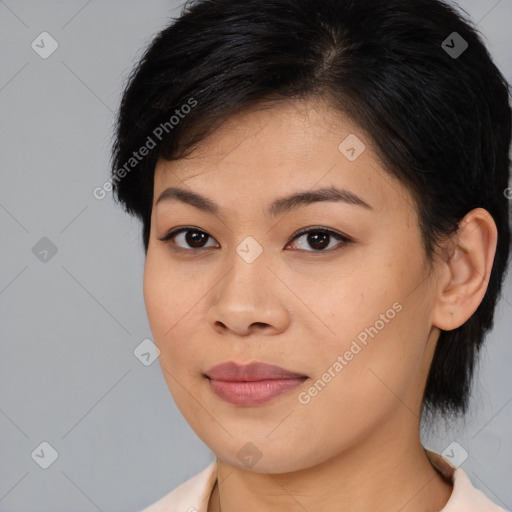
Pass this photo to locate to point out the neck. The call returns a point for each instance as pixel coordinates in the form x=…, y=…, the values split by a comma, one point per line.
x=373, y=476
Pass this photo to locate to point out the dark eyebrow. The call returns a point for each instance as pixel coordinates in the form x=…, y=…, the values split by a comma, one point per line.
x=278, y=207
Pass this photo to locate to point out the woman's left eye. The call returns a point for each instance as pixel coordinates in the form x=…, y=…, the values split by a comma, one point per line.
x=318, y=238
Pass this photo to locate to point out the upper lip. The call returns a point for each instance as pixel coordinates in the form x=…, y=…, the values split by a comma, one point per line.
x=231, y=371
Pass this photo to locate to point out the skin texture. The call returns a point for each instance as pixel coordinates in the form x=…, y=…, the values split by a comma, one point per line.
x=355, y=445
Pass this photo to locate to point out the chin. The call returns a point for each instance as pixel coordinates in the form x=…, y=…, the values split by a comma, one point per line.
x=266, y=460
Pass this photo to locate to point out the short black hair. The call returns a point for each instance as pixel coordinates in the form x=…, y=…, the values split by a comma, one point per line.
x=414, y=75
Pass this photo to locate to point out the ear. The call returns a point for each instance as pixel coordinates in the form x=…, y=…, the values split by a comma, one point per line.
x=463, y=269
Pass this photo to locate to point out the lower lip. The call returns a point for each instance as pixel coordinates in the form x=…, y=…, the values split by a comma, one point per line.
x=253, y=393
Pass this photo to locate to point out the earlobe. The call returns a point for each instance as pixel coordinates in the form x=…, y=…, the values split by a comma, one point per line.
x=464, y=268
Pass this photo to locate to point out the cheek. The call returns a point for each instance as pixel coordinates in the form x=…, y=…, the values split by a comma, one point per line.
x=155, y=299
x=174, y=314
x=377, y=341
x=357, y=310
x=163, y=298
x=358, y=384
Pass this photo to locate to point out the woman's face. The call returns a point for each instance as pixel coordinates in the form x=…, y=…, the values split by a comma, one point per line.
x=242, y=285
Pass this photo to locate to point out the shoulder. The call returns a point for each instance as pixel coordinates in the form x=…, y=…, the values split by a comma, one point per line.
x=465, y=497
x=190, y=496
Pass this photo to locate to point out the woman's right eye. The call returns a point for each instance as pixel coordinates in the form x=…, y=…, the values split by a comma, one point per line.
x=187, y=239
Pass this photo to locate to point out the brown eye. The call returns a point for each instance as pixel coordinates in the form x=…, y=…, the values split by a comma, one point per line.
x=195, y=238
x=187, y=238
x=320, y=238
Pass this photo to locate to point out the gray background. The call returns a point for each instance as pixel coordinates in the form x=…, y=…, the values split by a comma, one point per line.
x=68, y=374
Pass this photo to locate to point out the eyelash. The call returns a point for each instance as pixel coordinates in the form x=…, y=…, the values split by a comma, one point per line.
x=344, y=240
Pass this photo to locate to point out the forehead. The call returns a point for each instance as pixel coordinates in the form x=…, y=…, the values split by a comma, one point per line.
x=272, y=150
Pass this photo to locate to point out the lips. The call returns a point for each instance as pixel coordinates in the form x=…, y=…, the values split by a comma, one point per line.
x=233, y=372
x=252, y=384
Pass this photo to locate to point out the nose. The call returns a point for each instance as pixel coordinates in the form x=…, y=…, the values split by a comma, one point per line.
x=248, y=298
